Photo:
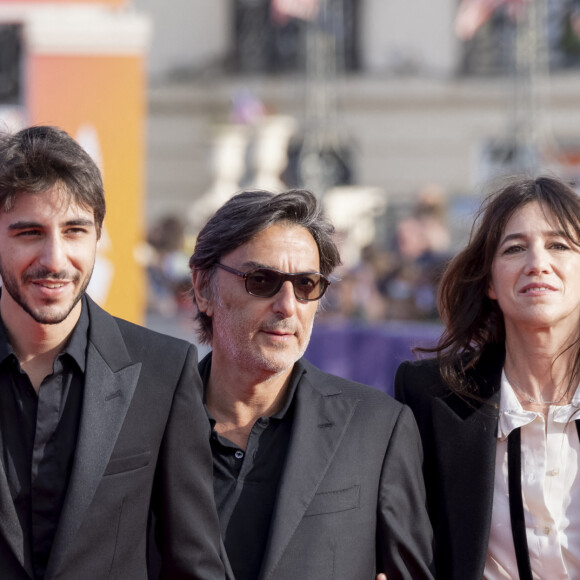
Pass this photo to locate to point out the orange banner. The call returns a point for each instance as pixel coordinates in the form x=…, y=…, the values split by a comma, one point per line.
x=100, y=100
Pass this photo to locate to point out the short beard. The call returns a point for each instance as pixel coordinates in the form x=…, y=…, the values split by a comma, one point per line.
x=10, y=285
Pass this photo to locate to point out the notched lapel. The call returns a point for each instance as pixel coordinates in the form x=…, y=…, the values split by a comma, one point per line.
x=10, y=528
x=320, y=422
x=466, y=447
x=107, y=396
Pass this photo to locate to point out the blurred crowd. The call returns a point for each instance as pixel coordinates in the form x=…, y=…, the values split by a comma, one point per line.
x=168, y=275
x=397, y=280
x=393, y=280
x=391, y=275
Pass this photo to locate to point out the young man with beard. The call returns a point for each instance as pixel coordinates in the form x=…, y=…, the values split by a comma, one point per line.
x=101, y=421
x=314, y=476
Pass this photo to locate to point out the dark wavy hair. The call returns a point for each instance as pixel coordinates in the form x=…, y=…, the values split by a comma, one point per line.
x=41, y=157
x=472, y=320
x=245, y=215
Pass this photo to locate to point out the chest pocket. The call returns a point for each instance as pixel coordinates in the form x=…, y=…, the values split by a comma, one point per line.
x=128, y=463
x=334, y=501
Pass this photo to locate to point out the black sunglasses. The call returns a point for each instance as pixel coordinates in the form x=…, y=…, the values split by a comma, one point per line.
x=265, y=282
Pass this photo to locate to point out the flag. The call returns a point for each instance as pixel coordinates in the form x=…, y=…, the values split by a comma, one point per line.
x=282, y=10
x=472, y=14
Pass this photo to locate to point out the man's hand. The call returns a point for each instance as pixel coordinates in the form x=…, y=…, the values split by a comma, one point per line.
x=382, y=577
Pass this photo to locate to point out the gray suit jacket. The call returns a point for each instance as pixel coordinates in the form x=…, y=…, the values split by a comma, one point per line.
x=460, y=442
x=143, y=441
x=351, y=500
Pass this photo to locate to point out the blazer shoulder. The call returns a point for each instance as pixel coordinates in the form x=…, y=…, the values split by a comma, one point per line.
x=419, y=378
x=147, y=338
x=425, y=366
x=132, y=330
x=120, y=341
x=368, y=398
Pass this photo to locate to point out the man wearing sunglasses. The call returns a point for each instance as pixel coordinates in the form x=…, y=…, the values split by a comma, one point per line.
x=314, y=476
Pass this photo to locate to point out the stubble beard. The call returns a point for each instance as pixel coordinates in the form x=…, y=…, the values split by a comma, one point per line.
x=275, y=360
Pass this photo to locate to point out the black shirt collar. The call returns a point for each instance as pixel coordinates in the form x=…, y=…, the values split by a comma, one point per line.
x=76, y=346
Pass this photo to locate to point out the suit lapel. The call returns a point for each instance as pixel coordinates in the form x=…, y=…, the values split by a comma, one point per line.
x=321, y=419
x=110, y=381
x=466, y=445
x=10, y=528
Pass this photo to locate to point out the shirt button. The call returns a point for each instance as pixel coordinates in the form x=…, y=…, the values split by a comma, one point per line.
x=238, y=454
x=547, y=530
x=554, y=472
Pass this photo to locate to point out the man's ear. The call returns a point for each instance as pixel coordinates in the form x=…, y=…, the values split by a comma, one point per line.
x=202, y=291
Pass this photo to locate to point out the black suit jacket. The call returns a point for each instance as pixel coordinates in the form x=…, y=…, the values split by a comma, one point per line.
x=143, y=440
x=459, y=441
x=351, y=500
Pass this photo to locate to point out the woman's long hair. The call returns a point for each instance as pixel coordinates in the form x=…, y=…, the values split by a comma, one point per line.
x=472, y=320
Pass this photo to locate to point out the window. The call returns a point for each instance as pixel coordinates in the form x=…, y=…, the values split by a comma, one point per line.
x=492, y=49
x=262, y=46
x=10, y=64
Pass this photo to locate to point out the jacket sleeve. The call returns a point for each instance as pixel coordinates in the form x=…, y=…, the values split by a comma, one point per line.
x=187, y=526
x=404, y=533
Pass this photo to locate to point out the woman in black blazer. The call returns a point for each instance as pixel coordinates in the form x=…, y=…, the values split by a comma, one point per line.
x=497, y=406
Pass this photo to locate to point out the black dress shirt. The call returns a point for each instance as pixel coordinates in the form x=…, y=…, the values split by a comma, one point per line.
x=39, y=434
x=246, y=482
